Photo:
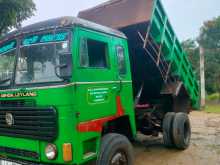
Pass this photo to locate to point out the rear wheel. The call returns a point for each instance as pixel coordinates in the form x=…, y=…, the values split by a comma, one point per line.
x=115, y=150
x=181, y=131
x=168, y=129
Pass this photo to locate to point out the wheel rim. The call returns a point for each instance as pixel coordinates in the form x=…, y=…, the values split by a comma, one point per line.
x=119, y=158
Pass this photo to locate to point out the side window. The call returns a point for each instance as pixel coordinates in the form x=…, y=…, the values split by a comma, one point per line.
x=121, y=60
x=93, y=53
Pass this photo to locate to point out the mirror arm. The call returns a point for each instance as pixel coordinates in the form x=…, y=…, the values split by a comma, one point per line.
x=56, y=72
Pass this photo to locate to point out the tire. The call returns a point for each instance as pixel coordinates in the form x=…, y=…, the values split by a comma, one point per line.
x=181, y=131
x=115, y=148
x=168, y=129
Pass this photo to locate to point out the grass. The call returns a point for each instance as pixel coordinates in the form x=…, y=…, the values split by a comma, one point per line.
x=213, y=97
x=212, y=108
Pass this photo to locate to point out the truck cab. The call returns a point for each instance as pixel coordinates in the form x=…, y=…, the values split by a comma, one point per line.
x=61, y=81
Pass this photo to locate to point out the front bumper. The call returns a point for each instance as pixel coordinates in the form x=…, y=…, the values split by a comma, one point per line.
x=19, y=162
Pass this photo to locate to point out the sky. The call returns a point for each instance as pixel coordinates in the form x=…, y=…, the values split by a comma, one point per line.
x=186, y=16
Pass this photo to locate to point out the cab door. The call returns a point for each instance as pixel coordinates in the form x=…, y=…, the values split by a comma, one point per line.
x=123, y=76
x=96, y=85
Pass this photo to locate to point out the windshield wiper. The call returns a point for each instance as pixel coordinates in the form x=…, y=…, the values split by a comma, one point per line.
x=4, y=81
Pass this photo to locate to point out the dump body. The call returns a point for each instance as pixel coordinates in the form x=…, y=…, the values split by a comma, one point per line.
x=157, y=58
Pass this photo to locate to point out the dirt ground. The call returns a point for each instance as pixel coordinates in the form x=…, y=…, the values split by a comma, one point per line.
x=204, y=149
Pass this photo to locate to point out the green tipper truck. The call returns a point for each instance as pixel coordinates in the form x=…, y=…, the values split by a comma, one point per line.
x=73, y=91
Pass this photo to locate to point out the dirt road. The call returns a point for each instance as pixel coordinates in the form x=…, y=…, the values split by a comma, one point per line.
x=204, y=149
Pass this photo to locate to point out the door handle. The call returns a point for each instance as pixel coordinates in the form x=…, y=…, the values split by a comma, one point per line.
x=114, y=88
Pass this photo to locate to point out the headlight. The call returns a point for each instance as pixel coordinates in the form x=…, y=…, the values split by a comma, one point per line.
x=51, y=151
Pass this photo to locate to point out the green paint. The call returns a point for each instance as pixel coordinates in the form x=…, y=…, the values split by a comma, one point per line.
x=163, y=33
x=94, y=98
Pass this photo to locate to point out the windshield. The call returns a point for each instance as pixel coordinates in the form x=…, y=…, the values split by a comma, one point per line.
x=39, y=56
x=7, y=61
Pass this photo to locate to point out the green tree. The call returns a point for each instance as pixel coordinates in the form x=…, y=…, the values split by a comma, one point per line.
x=191, y=48
x=13, y=12
x=209, y=39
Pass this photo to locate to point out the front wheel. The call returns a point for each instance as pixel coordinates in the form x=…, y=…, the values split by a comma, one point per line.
x=115, y=150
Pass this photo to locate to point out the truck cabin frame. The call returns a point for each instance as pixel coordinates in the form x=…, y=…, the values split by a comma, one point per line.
x=64, y=90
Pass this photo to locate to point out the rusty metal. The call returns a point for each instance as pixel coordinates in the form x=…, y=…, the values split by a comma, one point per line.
x=172, y=88
x=159, y=54
x=168, y=71
x=147, y=36
x=120, y=13
x=151, y=56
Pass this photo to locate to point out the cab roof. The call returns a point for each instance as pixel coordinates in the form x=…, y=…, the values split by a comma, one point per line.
x=62, y=22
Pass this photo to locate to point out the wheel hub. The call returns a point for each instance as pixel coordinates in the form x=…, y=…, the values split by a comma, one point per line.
x=119, y=158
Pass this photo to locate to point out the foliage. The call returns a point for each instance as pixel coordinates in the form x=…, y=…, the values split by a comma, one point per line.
x=209, y=39
x=191, y=48
x=210, y=35
x=13, y=12
x=213, y=97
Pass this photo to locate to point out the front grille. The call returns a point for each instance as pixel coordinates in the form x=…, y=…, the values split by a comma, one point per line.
x=33, y=123
x=17, y=103
x=19, y=152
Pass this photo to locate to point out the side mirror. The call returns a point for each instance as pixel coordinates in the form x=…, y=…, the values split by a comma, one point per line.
x=64, y=69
